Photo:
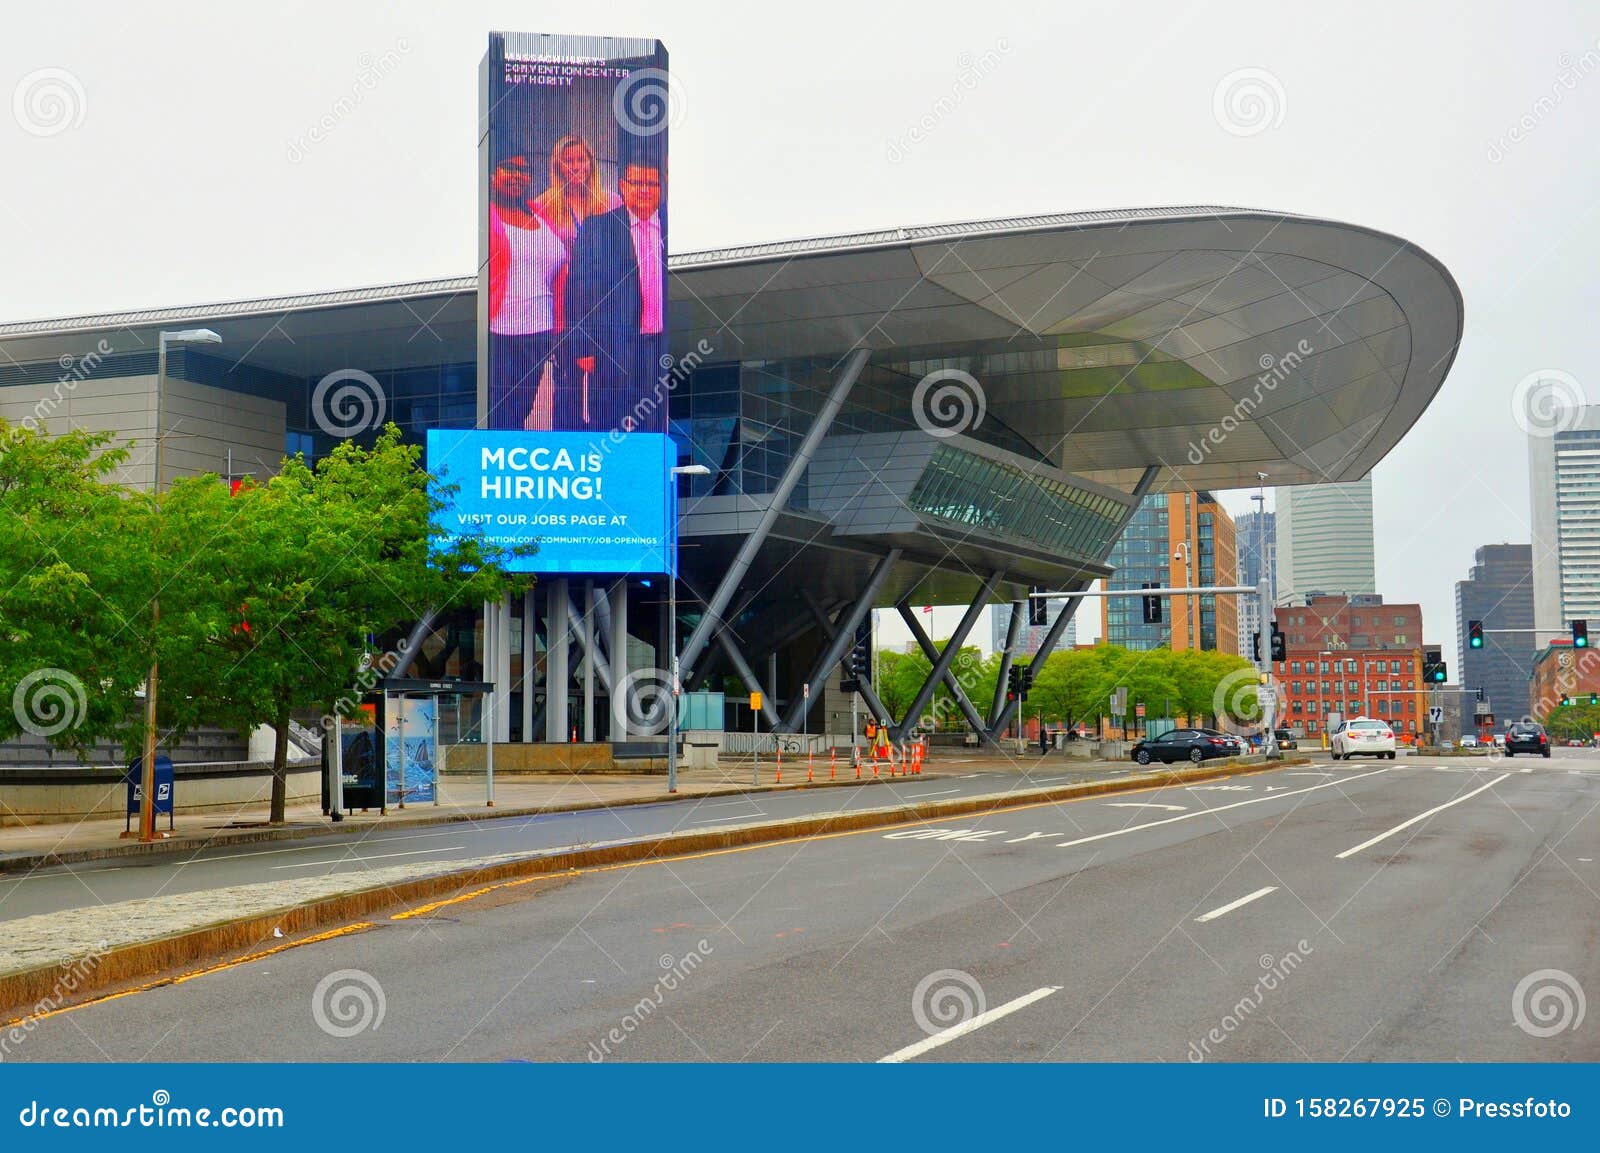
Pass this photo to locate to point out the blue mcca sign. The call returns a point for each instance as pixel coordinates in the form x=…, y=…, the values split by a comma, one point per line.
x=592, y=503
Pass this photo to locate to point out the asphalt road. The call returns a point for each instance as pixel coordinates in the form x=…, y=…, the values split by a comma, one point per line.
x=120, y=879
x=1362, y=911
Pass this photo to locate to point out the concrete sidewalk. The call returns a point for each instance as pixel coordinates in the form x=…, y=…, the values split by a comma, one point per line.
x=460, y=798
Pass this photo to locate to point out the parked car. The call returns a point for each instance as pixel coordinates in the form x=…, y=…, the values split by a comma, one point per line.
x=1468, y=741
x=1186, y=745
x=1362, y=737
x=1499, y=740
x=1574, y=743
x=1527, y=737
x=1285, y=738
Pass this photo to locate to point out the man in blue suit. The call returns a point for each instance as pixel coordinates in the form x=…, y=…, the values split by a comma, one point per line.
x=616, y=303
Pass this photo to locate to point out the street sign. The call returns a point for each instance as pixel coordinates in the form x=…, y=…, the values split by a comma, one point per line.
x=1119, y=701
x=1435, y=714
x=1138, y=709
x=755, y=700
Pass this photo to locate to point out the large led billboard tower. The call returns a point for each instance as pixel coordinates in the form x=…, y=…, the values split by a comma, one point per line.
x=572, y=307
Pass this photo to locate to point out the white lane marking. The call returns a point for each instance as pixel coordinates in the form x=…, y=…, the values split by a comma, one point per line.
x=1146, y=805
x=1218, y=809
x=731, y=817
x=1047, y=780
x=725, y=804
x=364, y=841
x=360, y=860
x=1232, y=905
x=1419, y=817
x=940, y=793
x=945, y=1036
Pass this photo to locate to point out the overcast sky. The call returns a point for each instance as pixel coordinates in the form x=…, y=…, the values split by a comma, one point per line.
x=182, y=169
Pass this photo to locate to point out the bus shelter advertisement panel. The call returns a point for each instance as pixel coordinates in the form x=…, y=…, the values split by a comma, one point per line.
x=574, y=226
x=590, y=504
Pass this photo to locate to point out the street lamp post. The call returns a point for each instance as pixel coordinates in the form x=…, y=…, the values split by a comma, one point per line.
x=147, y=768
x=672, y=626
x=1322, y=719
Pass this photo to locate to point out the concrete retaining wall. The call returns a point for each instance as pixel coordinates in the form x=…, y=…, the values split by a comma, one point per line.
x=30, y=798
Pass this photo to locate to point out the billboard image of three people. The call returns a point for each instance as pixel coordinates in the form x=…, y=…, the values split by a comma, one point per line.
x=575, y=225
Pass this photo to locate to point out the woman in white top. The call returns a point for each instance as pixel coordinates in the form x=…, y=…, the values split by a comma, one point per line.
x=527, y=263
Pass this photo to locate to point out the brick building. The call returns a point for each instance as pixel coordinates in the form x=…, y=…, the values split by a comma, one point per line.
x=1560, y=670
x=1355, y=656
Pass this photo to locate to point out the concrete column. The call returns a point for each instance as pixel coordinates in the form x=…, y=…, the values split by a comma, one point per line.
x=588, y=660
x=530, y=656
x=502, y=675
x=618, y=597
x=557, y=642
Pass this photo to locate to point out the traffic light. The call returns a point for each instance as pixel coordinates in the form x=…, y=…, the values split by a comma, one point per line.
x=1280, y=646
x=1475, y=634
x=1026, y=680
x=1594, y=698
x=1152, y=605
x=1564, y=701
x=1440, y=674
x=1255, y=646
x=1038, y=609
x=1580, y=634
x=1013, y=683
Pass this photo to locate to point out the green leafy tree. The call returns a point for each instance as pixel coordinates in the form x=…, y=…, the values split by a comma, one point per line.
x=899, y=677
x=301, y=572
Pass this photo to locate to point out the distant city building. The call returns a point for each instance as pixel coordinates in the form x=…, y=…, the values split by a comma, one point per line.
x=1499, y=592
x=1324, y=540
x=1176, y=539
x=1564, y=492
x=1351, y=622
x=1559, y=670
x=1385, y=683
x=1254, y=563
x=1032, y=636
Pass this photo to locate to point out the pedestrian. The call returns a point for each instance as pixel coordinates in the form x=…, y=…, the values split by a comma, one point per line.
x=1044, y=739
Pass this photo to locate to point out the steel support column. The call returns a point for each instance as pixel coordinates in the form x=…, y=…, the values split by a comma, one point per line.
x=866, y=691
x=941, y=666
x=741, y=667
x=1007, y=658
x=1146, y=479
x=968, y=709
x=557, y=641
x=718, y=604
x=844, y=635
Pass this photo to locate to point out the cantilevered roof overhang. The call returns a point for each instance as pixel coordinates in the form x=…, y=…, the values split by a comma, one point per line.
x=1216, y=343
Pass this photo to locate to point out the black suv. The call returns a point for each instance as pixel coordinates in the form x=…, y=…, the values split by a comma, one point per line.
x=1527, y=737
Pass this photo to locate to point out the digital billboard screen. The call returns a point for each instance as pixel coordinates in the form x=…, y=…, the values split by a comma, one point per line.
x=573, y=311
x=591, y=505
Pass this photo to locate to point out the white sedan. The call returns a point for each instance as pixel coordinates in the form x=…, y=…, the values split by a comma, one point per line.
x=1362, y=737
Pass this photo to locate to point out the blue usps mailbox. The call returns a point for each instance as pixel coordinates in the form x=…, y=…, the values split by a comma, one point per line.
x=164, y=782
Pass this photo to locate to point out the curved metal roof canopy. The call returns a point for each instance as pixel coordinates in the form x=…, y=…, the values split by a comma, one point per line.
x=1215, y=342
